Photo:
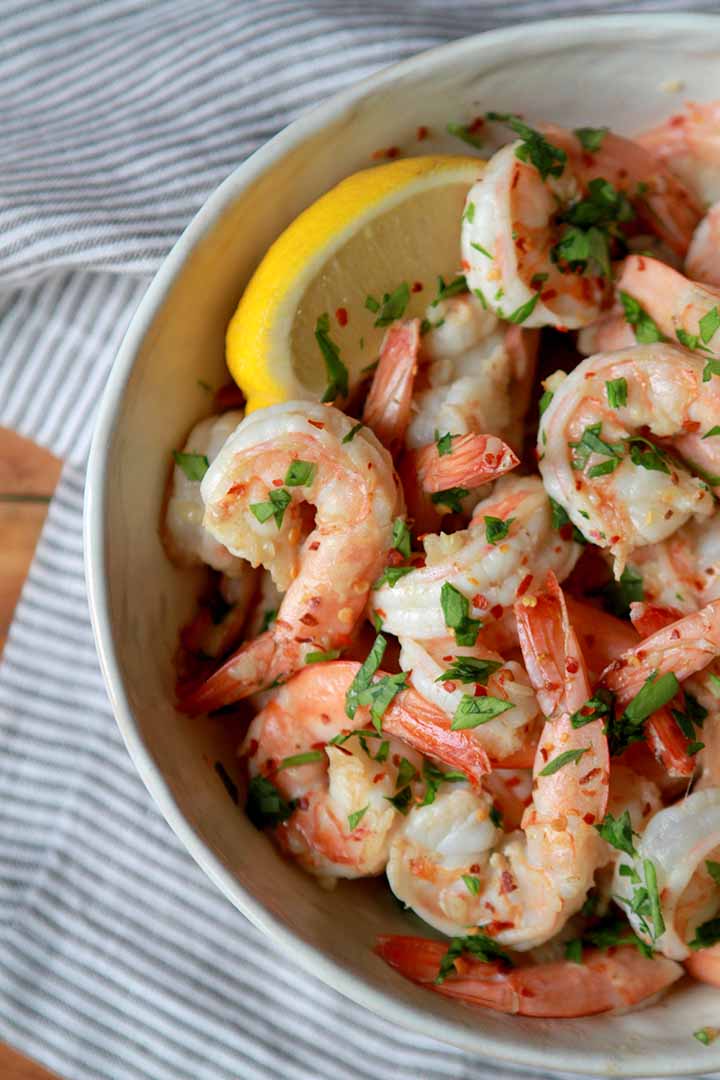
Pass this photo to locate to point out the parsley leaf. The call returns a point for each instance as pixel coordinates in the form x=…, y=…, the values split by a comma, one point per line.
x=618, y=832
x=306, y=758
x=337, y=374
x=712, y=367
x=628, y=728
x=707, y=934
x=265, y=805
x=300, y=473
x=520, y=314
x=647, y=455
x=618, y=595
x=455, y=287
x=646, y=329
x=444, y=443
x=560, y=519
x=709, y=324
x=591, y=443
x=462, y=131
x=562, y=760
x=352, y=432
x=574, y=951
x=391, y=575
x=401, y=539
x=479, y=946
x=467, y=669
x=706, y=1035
x=481, y=249
x=378, y=696
x=545, y=400
x=450, y=497
x=472, y=884
x=473, y=711
x=321, y=657
x=549, y=160
x=356, y=817
x=591, y=139
x=434, y=777
x=269, y=617
x=496, y=529
x=456, y=611
x=713, y=869
x=278, y=501
x=392, y=306
x=401, y=801
x=364, y=676
x=599, y=705
x=193, y=465
x=713, y=431
x=616, y=390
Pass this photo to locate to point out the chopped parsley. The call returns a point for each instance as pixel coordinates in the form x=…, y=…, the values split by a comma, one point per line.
x=611, y=932
x=376, y=695
x=712, y=367
x=616, y=390
x=713, y=431
x=434, y=777
x=467, y=669
x=269, y=617
x=595, y=708
x=321, y=657
x=352, y=432
x=591, y=443
x=472, y=884
x=535, y=149
x=618, y=595
x=469, y=213
x=566, y=758
x=364, y=676
x=706, y=934
x=391, y=307
x=462, y=131
x=629, y=727
x=356, y=817
x=618, y=832
x=278, y=501
x=401, y=538
x=479, y=946
x=401, y=801
x=705, y=1035
x=481, y=249
x=456, y=611
x=709, y=325
x=496, y=529
x=473, y=711
x=545, y=400
x=391, y=575
x=591, y=139
x=455, y=287
x=574, y=951
x=496, y=816
x=406, y=774
x=300, y=473
x=193, y=465
x=337, y=374
x=308, y=757
x=713, y=869
x=444, y=443
x=646, y=329
x=560, y=519
x=647, y=455
x=520, y=314
x=265, y=805
x=592, y=223
x=450, y=497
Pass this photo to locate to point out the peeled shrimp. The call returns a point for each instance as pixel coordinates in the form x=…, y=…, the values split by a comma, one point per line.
x=603, y=982
x=527, y=884
x=684, y=570
x=510, y=738
x=688, y=143
x=703, y=258
x=678, y=840
x=327, y=569
x=507, y=240
x=343, y=785
x=478, y=375
x=613, y=484
x=488, y=575
x=187, y=541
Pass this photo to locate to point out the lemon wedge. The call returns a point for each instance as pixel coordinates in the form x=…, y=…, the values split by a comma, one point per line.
x=389, y=231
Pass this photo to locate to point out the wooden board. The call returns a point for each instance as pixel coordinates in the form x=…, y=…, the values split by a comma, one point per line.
x=28, y=476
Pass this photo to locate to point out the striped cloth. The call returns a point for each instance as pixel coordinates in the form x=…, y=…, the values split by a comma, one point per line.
x=119, y=959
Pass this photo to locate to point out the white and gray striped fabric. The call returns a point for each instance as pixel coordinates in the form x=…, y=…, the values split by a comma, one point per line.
x=118, y=958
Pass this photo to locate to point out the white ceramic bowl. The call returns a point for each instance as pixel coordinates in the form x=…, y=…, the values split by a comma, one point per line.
x=611, y=70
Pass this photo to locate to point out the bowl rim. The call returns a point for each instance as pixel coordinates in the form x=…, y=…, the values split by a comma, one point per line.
x=311, y=958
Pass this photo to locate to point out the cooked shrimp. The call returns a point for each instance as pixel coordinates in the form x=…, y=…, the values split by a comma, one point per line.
x=510, y=738
x=683, y=310
x=340, y=820
x=470, y=461
x=703, y=258
x=689, y=145
x=705, y=965
x=280, y=459
x=603, y=982
x=684, y=570
x=387, y=407
x=187, y=541
x=609, y=333
x=478, y=375
x=678, y=841
x=683, y=647
x=525, y=885
x=489, y=575
x=618, y=488
x=509, y=240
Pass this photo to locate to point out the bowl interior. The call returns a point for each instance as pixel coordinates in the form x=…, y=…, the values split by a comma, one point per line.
x=614, y=71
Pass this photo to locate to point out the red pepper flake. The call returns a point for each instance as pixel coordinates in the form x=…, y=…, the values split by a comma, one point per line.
x=308, y=620
x=524, y=585
x=422, y=133
x=378, y=777
x=515, y=181
x=562, y=329
x=566, y=531
x=497, y=609
x=396, y=760
x=475, y=868
x=521, y=244
x=676, y=121
x=464, y=264
x=417, y=286
x=674, y=634
x=389, y=152
x=314, y=546
x=589, y=776
x=480, y=601
x=450, y=687
x=342, y=316
x=507, y=883
x=571, y=665
x=236, y=489
x=253, y=748
x=623, y=174
x=549, y=294
x=497, y=927
x=640, y=263
x=277, y=483
x=317, y=423
x=480, y=691
x=589, y=819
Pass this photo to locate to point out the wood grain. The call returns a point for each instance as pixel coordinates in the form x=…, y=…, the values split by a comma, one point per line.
x=28, y=476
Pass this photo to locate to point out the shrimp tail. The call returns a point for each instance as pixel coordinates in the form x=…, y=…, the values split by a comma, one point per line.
x=603, y=982
x=473, y=460
x=387, y=407
x=254, y=666
x=427, y=729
